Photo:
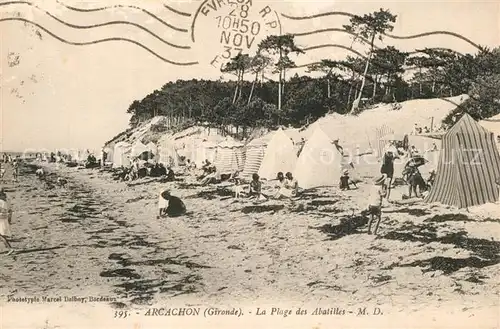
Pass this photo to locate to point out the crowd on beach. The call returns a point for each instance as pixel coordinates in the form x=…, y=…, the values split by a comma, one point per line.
x=284, y=187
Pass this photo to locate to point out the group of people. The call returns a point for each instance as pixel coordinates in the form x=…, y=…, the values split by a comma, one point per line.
x=419, y=130
x=140, y=169
x=89, y=162
x=9, y=162
x=286, y=187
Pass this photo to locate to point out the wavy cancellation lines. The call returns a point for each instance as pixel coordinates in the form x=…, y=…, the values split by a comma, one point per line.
x=391, y=36
x=171, y=9
x=350, y=49
x=86, y=10
x=96, y=26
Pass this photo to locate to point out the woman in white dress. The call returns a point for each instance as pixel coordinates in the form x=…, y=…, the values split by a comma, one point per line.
x=5, y=220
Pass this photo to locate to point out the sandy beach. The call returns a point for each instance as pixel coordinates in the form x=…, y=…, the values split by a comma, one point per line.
x=99, y=237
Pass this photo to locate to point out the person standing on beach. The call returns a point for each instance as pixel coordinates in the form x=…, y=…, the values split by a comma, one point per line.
x=387, y=169
x=2, y=170
x=5, y=221
x=375, y=200
x=15, y=165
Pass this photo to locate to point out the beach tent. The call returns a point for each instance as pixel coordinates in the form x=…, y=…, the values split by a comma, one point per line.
x=152, y=148
x=138, y=148
x=381, y=134
x=280, y=155
x=254, y=153
x=121, y=154
x=229, y=157
x=108, y=150
x=319, y=163
x=468, y=168
x=167, y=153
x=206, y=150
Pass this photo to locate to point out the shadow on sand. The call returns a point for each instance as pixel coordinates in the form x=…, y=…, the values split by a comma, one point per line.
x=348, y=225
x=487, y=253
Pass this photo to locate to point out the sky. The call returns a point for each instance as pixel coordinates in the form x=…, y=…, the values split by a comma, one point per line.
x=60, y=96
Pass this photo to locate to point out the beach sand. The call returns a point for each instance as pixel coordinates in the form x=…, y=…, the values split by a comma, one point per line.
x=99, y=237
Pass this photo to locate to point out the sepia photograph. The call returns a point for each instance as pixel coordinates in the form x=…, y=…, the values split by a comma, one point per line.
x=249, y=163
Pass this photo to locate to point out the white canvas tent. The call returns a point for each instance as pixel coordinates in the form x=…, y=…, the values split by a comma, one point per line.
x=280, y=155
x=206, y=150
x=138, y=148
x=109, y=154
x=152, y=148
x=167, y=153
x=121, y=154
x=319, y=163
x=229, y=157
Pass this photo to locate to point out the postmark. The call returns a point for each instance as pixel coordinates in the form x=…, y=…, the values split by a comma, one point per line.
x=222, y=29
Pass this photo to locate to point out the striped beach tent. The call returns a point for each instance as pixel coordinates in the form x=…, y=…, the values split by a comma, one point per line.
x=280, y=155
x=254, y=153
x=229, y=157
x=468, y=168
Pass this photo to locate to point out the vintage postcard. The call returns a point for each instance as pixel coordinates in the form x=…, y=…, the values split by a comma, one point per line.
x=249, y=163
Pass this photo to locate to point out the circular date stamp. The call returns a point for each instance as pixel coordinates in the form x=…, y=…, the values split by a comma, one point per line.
x=222, y=29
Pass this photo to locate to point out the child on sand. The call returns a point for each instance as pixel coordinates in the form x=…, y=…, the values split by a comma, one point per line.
x=375, y=199
x=279, y=185
x=5, y=220
x=256, y=188
x=170, y=205
x=345, y=181
x=290, y=187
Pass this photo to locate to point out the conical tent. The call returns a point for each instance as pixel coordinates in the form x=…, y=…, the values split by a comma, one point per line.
x=280, y=155
x=319, y=163
x=468, y=168
x=121, y=154
x=229, y=157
